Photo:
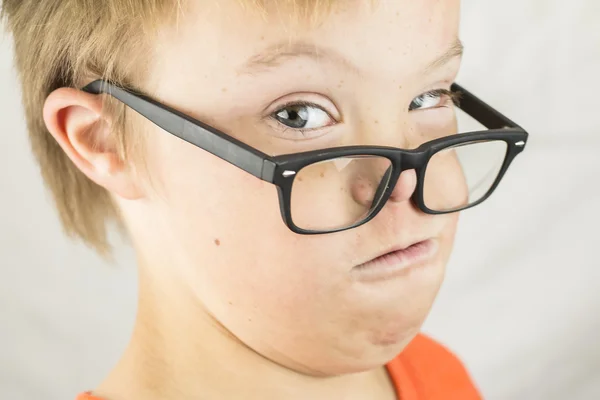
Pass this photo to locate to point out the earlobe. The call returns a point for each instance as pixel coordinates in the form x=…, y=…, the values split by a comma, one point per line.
x=75, y=120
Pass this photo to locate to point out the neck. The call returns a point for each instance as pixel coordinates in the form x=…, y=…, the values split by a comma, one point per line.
x=179, y=351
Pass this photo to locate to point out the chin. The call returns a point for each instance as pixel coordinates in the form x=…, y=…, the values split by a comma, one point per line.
x=373, y=358
x=370, y=353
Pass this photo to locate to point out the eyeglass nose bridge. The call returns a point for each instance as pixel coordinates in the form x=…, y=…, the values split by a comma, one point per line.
x=404, y=161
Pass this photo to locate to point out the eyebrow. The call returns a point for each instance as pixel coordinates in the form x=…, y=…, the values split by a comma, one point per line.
x=457, y=49
x=278, y=53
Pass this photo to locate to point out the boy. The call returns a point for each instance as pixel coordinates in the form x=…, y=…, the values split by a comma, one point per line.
x=289, y=179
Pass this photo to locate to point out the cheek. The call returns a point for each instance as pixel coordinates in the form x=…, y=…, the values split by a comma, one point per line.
x=208, y=207
x=447, y=235
x=445, y=186
x=201, y=189
x=225, y=229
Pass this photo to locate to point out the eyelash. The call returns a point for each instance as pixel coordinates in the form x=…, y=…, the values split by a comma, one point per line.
x=454, y=97
x=300, y=103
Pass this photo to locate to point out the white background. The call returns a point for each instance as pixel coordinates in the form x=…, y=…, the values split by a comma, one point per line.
x=521, y=304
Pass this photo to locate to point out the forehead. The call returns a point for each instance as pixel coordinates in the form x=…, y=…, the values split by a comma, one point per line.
x=381, y=39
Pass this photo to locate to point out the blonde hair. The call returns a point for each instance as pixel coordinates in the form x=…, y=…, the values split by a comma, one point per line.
x=65, y=43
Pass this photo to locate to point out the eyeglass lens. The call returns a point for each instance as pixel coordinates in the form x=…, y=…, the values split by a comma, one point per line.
x=341, y=192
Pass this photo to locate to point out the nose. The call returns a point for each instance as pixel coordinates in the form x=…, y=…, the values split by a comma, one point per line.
x=365, y=190
x=405, y=187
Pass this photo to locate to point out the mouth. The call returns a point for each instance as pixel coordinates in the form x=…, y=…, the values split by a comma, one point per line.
x=397, y=262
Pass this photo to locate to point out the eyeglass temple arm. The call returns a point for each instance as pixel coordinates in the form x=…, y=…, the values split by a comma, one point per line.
x=482, y=112
x=195, y=132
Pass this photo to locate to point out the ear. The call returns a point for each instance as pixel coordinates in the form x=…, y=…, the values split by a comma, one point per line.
x=75, y=120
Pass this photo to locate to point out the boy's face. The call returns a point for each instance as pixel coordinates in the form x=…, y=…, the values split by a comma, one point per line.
x=297, y=299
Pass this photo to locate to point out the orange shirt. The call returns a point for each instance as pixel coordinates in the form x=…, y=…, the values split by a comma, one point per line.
x=425, y=370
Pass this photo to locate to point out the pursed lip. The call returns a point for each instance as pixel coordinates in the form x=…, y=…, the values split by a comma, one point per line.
x=397, y=247
x=395, y=260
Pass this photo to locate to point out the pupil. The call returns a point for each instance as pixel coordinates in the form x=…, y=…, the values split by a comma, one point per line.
x=292, y=117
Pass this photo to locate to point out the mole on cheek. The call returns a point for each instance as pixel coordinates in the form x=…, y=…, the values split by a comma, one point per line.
x=217, y=242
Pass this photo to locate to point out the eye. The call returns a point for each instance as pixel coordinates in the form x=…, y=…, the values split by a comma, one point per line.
x=303, y=116
x=434, y=99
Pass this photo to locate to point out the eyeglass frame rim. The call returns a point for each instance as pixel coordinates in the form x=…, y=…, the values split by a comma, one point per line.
x=281, y=170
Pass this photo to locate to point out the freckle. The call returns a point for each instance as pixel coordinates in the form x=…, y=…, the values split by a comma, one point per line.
x=400, y=87
x=262, y=38
x=376, y=121
x=217, y=242
x=322, y=175
x=299, y=179
x=230, y=303
x=249, y=319
x=224, y=89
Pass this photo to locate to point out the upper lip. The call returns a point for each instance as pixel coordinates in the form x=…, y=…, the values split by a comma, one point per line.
x=395, y=248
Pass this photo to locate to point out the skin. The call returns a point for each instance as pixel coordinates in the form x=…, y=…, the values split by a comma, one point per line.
x=232, y=303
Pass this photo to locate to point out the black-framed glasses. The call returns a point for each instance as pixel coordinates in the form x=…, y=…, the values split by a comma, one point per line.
x=335, y=189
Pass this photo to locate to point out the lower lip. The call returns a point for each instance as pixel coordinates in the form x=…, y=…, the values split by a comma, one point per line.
x=396, y=263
